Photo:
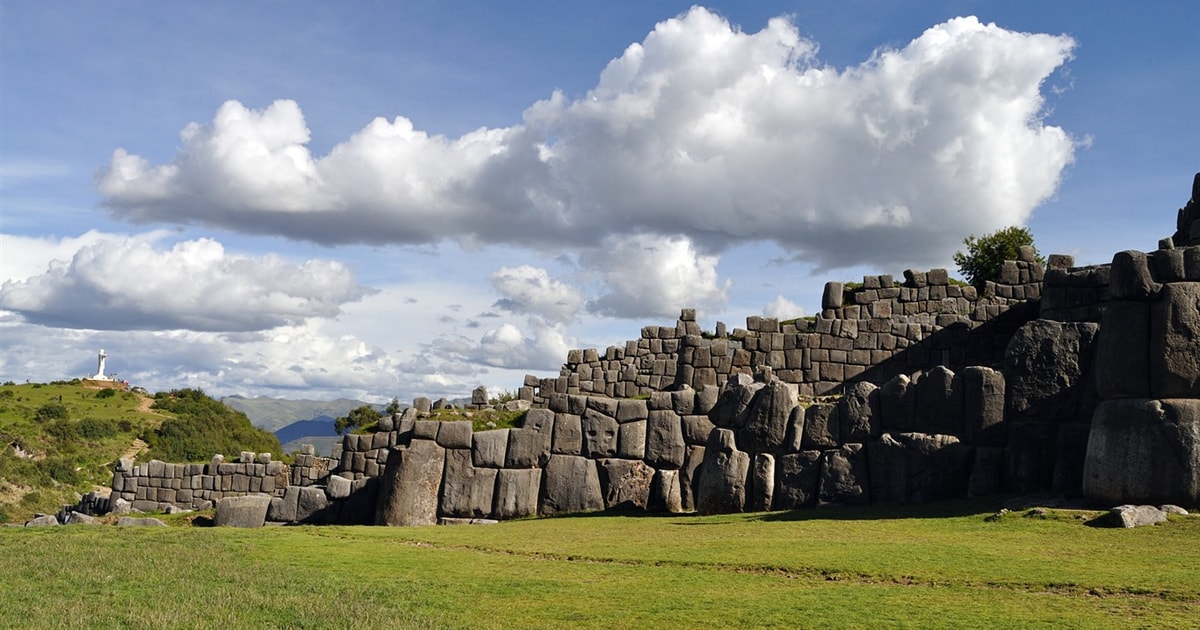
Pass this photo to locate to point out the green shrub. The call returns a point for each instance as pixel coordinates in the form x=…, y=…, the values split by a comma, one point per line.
x=50, y=411
x=359, y=417
x=204, y=427
x=98, y=428
x=986, y=255
x=107, y=392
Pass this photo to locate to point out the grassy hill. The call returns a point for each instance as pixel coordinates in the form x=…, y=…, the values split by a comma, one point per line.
x=60, y=440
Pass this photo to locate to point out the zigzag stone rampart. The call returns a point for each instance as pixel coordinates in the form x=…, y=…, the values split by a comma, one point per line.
x=1077, y=380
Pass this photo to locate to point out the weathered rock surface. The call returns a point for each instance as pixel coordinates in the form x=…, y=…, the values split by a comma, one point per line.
x=1175, y=342
x=722, y=475
x=570, y=484
x=821, y=426
x=664, y=440
x=858, y=413
x=844, y=479
x=246, y=511
x=765, y=420
x=796, y=479
x=516, y=493
x=1047, y=362
x=411, y=482
x=762, y=483
x=917, y=468
x=488, y=448
x=625, y=483
x=1144, y=451
x=599, y=435
x=1123, y=351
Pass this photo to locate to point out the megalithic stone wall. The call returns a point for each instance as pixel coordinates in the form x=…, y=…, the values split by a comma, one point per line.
x=1144, y=443
x=926, y=317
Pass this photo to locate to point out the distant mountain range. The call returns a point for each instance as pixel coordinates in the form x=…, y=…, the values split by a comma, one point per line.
x=273, y=414
x=297, y=422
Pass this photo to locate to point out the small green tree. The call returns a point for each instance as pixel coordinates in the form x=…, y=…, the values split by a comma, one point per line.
x=392, y=407
x=358, y=417
x=986, y=255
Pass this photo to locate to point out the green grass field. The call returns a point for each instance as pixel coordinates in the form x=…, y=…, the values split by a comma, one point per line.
x=917, y=567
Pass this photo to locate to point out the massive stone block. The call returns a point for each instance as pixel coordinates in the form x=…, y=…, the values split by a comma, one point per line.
x=897, y=408
x=796, y=478
x=722, y=475
x=599, y=435
x=1123, y=351
x=488, y=448
x=411, y=483
x=696, y=429
x=664, y=440
x=570, y=484
x=766, y=418
x=983, y=406
x=858, y=413
x=516, y=493
x=313, y=506
x=689, y=477
x=1175, y=342
x=1029, y=456
x=454, y=434
x=246, y=511
x=631, y=439
x=728, y=413
x=938, y=404
x=821, y=426
x=762, y=483
x=1144, y=451
x=844, y=479
x=625, y=483
x=568, y=434
x=527, y=448
x=1129, y=276
x=1047, y=365
x=467, y=491
x=917, y=467
x=666, y=495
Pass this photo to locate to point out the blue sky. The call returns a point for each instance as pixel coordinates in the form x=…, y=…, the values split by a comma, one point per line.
x=414, y=198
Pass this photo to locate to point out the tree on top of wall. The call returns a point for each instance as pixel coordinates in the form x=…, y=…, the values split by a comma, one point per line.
x=986, y=255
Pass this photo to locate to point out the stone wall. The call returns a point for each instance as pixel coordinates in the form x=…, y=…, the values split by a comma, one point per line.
x=1078, y=380
x=926, y=319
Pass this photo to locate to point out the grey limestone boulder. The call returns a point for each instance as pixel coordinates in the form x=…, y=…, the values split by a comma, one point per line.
x=821, y=426
x=897, y=408
x=664, y=440
x=246, y=511
x=1144, y=451
x=983, y=405
x=516, y=493
x=412, y=479
x=337, y=487
x=1123, y=351
x=42, y=520
x=479, y=396
x=917, y=468
x=689, y=477
x=696, y=429
x=729, y=410
x=938, y=403
x=844, y=479
x=1047, y=364
x=625, y=483
x=467, y=491
x=454, y=434
x=488, y=448
x=527, y=448
x=858, y=413
x=599, y=435
x=629, y=409
x=1130, y=516
x=313, y=506
x=796, y=478
x=631, y=439
x=1129, y=276
x=765, y=421
x=762, y=483
x=133, y=521
x=665, y=492
x=1175, y=342
x=722, y=475
x=570, y=484
x=568, y=434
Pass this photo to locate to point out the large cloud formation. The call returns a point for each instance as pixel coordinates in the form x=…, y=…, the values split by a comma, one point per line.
x=129, y=284
x=701, y=131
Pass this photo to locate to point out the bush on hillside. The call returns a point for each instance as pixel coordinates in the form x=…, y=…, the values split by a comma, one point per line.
x=204, y=427
x=358, y=418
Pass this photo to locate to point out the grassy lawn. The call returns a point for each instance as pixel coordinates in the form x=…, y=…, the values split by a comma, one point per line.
x=943, y=566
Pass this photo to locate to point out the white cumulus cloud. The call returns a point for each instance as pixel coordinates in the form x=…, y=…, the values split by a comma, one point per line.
x=115, y=283
x=783, y=308
x=701, y=130
x=531, y=290
x=648, y=275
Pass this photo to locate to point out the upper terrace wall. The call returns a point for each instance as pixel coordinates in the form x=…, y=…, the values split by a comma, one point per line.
x=857, y=336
